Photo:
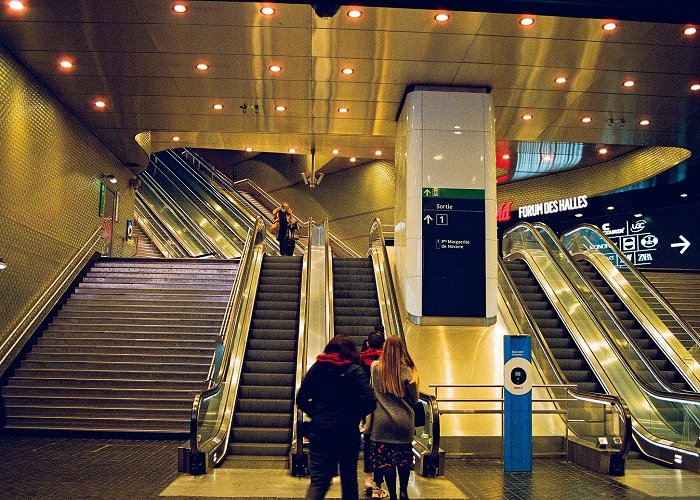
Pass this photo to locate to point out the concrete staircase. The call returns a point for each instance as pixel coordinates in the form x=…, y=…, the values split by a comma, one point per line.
x=682, y=290
x=145, y=248
x=127, y=351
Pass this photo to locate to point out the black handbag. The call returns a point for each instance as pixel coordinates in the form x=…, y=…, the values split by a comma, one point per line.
x=419, y=414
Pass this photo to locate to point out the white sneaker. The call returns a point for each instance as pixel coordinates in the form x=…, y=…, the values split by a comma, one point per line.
x=379, y=493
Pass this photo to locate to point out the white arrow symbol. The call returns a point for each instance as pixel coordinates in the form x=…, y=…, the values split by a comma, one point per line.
x=683, y=243
x=428, y=218
x=427, y=192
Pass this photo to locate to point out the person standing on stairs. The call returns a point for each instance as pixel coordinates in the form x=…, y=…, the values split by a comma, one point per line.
x=282, y=220
x=395, y=383
x=336, y=394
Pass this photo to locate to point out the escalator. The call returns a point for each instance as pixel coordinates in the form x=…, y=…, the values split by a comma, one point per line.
x=666, y=423
x=355, y=305
x=636, y=331
x=563, y=347
x=262, y=422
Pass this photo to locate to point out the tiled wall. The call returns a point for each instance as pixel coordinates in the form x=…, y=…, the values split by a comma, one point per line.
x=50, y=176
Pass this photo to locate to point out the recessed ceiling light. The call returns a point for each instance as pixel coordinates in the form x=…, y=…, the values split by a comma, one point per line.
x=378, y=152
x=335, y=151
x=527, y=117
x=438, y=157
x=343, y=110
x=353, y=159
x=644, y=123
x=578, y=215
x=275, y=68
x=218, y=106
x=347, y=71
x=611, y=207
x=695, y=86
x=176, y=138
x=100, y=104
x=684, y=195
x=65, y=63
x=442, y=17
x=690, y=31
x=637, y=215
x=603, y=151
x=292, y=150
x=458, y=126
x=280, y=108
x=458, y=132
x=267, y=11
x=586, y=119
x=506, y=157
x=180, y=8
x=202, y=66
x=610, y=26
x=629, y=83
x=249, y=149
x=527, y=21
x=16, y=5
x=354, y=13
x=561, y=79
x=546, y=158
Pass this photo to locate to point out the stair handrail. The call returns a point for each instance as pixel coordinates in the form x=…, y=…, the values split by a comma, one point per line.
x=645, y=281
x=530, y=325
x=202, y=456
x=298, y=465
x=15, y=340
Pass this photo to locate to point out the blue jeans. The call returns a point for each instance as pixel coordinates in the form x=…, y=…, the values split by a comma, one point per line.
x=327, y=455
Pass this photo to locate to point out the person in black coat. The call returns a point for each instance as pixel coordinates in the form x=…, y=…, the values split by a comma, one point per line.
x=336, y=395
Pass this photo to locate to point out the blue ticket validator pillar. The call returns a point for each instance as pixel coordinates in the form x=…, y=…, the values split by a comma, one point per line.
x=517, y=405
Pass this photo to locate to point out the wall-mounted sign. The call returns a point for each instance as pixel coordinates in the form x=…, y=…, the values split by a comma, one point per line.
x=553, y=207
x=503, y=211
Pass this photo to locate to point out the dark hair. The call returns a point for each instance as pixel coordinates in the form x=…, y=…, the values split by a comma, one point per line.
x=375, y=340
x=343, y=345
x=379, y=329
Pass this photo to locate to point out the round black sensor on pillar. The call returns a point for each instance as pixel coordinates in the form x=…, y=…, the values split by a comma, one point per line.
x=325, y=10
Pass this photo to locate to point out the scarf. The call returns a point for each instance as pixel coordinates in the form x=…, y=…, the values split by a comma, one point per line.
x=370, y=355
x=333, y=358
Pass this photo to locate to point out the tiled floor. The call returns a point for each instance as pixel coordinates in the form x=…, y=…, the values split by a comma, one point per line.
x=72, y=468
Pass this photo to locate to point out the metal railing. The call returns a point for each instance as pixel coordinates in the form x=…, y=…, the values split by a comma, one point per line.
x=212, y=409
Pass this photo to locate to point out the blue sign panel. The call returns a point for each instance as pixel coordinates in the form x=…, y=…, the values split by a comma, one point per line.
x=454, y=252
x=517, y=404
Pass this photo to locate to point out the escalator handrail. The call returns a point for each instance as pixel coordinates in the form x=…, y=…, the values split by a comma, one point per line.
x=302, y=348
x=233, y=311
x=611, y=316
x=202, y=238
x=649, y=286
x=201, y=205
x=330, y=313
x=616, y=401
x=672, y=397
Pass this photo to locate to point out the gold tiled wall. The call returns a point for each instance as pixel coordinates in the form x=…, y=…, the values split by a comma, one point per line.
x=50, y=176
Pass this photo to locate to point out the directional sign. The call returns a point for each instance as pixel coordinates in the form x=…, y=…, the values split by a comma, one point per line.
x=454, y=252
x=684, y=244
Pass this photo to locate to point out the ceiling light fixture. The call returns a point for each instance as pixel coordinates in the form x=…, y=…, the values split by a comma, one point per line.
x=347, y=71
x=65, y=63
x=603, y=151
x=578, y=215
x=267, y=11
x=275, y=68
x=335, y=151
x=202, y=66
x=442, y=17
x=249, y=149
x=644, y=123
x=353, y=159
x=690, y=31
x=527, y=21
x=546, y=158
x=354, y=13
x=176, y=138
x=611, y=207
x=16, y=5
x=109, y=178
x=684, y=195
x=695, y=87
x=378, y=152
x=610, y=26
x=100, y=104
x=180, y=8
x=343, y=110
x=506, y=157
x=3, y=264
x=637, y=215
x=280, y=108
x=527, y=117
x=292, y=150
x=586, y=119
x=218, y=107
x=629, y=83
x=561, y=79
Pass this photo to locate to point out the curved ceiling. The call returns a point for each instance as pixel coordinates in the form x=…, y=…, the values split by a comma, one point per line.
x=140, y=57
